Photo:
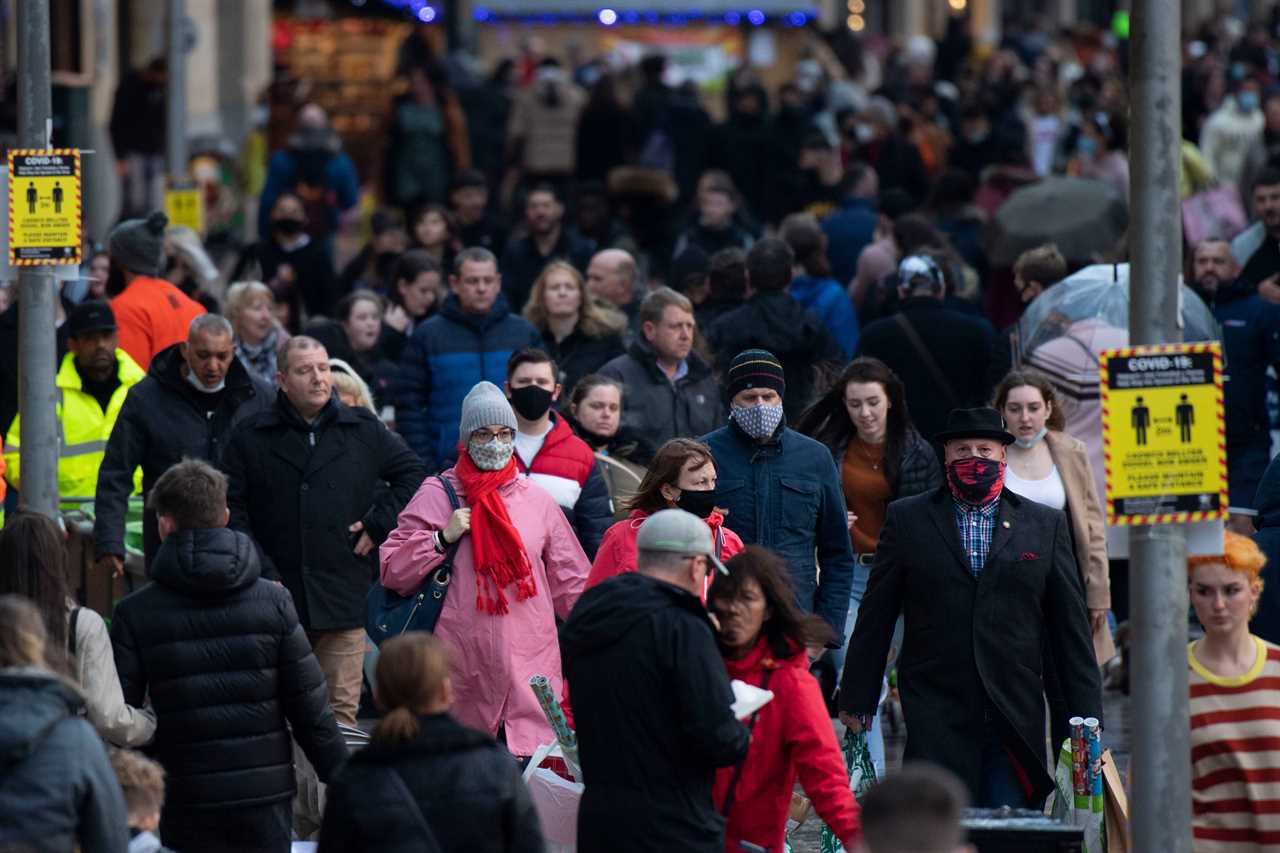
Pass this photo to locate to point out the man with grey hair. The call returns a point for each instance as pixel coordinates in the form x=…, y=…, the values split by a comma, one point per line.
x=318, y=485
x=194, y=393
x=468, y=341
x=651, y=698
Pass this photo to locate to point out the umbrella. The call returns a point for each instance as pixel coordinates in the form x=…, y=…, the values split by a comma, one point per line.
x=1083, y=217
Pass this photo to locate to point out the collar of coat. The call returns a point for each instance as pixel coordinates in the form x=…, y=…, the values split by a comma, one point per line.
x=283, y=413
x=648, y=359
x=437, y=734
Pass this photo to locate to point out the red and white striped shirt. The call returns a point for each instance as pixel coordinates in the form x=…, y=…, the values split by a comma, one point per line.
x=1235, y=755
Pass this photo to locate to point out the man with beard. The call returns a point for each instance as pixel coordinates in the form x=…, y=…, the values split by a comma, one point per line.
x=1250, y=342
x=546, y=240
x=1262, y=269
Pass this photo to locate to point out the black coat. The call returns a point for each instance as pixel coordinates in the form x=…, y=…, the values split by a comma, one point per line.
x=651, y=702
x=56, y=786
x=297, y=487
x=221, y=655
x=657, y=408
x=974, y=643
x=578, y=355
x=467, y=787
x=961, y=346
x=774, y=321
x=163, y=420
x=522, y=263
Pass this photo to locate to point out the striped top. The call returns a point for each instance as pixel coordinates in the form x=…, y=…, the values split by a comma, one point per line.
x=1235, y=755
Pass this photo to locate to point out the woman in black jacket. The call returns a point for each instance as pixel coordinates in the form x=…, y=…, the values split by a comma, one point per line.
x=580, y=333
x=426, y=782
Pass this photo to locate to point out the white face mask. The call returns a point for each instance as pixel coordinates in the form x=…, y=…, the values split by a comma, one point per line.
x=1028, y=443
x=195, y=383
x=490, y=455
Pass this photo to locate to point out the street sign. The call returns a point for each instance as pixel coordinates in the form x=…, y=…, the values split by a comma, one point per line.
x=1163, y=435
x=184, y=206
x=44, y=206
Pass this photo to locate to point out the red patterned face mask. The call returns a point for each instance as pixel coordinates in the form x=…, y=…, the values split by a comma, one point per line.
x=975, y=480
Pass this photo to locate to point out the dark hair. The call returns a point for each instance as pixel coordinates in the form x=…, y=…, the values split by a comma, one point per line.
x=805, y=237
x=409, y=266
x=1035, y=379
x=895, y=203
x=827, y=420
x=347, y=304
x=531, y=355
x=1268, y=176
x=589, y=383
x=664, y=470
x=788, y=629
x=385, y=219
x=916, y=810
x=450, y=221
x=955, y=188
x=543, y=187
x=468, y=178
x=33, y=565
x=193, y=493
x=727, y=275
x=769, y=264
x=915, y=232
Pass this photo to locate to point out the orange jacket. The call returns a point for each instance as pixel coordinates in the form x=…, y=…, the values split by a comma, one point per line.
x=152, y=314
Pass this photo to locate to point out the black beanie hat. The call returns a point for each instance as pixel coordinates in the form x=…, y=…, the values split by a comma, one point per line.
x=755, y=368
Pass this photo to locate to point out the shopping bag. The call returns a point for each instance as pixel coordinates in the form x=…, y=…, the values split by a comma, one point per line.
x=1116, y=811
x=1064, y=806
x=862, y=775
x=1213, y=213
x=556, y=800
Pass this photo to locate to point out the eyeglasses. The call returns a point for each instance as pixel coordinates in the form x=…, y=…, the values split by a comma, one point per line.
x=484, y=436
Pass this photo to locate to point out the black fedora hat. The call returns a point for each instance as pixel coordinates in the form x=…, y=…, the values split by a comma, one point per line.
x=984, y=422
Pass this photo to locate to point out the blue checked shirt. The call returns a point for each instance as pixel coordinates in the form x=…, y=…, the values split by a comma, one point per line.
x=977, y=524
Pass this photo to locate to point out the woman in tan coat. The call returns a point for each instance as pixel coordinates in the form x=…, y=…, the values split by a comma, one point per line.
x=1050, y=467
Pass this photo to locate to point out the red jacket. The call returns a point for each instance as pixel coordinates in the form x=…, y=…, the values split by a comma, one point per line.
x=792, y=735
x=617, y=554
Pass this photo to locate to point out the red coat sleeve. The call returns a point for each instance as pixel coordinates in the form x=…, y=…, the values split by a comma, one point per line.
x=608, y=560
x=818, y=761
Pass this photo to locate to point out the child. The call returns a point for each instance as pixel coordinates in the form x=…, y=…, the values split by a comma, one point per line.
x=143, y=783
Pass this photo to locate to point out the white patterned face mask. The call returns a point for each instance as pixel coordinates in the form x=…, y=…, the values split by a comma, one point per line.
x=490, y=455
x=758, y=421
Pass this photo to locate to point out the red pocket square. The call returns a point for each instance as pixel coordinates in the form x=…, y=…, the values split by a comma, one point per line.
x=1027, y=555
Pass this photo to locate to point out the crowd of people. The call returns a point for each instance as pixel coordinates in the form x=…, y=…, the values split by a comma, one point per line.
x=648, y=404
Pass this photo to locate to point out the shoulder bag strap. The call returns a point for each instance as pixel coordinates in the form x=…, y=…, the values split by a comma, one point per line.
x=446, y=566
x=71, y=633
x=429, y=842
x=737, y=771
x=930, y=364
x=720, y=551
x=448, y=490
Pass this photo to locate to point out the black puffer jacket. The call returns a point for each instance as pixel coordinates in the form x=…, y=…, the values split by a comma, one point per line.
x=466, y=786
x=226, y=664
x=163, y=420
x=56, y=787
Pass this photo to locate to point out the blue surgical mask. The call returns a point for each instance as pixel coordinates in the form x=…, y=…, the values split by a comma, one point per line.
x=1248, y=101
x=1028, y=443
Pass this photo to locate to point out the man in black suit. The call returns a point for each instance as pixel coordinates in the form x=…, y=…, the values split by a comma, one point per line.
x=980, y=614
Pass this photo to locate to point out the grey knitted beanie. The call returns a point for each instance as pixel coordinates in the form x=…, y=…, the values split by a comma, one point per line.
x=485, y=405
x=138, y=244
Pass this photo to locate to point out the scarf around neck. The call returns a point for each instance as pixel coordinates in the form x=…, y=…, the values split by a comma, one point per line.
x=500, y=556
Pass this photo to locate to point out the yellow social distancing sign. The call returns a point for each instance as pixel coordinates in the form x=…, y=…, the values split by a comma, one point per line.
x=1163, y=433
x=44, y=206
x=184, y=206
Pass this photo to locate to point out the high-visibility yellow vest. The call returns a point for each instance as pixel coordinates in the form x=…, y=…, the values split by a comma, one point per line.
x=83, y=430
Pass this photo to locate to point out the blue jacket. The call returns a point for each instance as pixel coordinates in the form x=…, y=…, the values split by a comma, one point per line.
x=443, y=359
x=1250, y=344
x=786, y=495
x=849, y=230
x=1266, y=622
x=827, y=299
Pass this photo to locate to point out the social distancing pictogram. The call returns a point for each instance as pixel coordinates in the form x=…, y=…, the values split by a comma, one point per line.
x=44, y=206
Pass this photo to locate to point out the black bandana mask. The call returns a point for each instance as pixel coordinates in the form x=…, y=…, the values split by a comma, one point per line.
x=975, y=481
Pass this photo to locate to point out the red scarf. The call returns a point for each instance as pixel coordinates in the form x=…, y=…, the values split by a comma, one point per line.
x=500, y=557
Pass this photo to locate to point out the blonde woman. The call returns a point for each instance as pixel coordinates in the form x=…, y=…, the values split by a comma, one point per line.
x=251, y=310
x=579, y=333
x=352, y=390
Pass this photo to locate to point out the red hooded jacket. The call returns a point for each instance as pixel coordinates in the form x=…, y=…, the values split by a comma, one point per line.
x=792, y=735
x=617, y=554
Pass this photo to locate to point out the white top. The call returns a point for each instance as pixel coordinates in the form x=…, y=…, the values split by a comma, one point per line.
x=528, y=446
x=1047, y=492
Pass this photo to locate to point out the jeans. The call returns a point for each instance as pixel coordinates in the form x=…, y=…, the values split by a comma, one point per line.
x=875, y=737
x=999, y=780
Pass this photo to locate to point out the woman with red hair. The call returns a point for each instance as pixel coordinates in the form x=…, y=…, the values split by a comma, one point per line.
x=1235, y=728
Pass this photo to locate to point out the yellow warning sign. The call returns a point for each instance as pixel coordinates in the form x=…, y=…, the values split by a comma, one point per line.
x=1163, y=434
x=184, y=206
x=44, y=206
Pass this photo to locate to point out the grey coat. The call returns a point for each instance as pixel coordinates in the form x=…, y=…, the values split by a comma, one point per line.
x=659, y=409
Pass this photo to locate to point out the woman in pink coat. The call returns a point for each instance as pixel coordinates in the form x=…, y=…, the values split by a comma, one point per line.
x=518, y=566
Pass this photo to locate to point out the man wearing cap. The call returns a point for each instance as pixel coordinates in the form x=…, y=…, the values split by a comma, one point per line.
x=91, y=385
x=651, y=698
x=991, y=599
x=942, y=355
x=153, y=313
x=782, y=489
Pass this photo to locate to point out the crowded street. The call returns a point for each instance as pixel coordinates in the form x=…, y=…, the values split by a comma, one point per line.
x=548, y=427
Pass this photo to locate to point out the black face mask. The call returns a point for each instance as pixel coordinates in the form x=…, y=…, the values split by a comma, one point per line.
x=530, y=402
x=288, y=227
x=701, y=504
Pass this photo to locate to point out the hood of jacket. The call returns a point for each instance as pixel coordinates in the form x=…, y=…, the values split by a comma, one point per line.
x=480, y=323
x=1268, y=500
x=607, y=613
x=438, y=734
x=206, y=563
x=167, y=365
x=32, y=702
x=807, y=288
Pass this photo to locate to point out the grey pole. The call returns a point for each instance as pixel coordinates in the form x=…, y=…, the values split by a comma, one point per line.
x=37, y=352
x=1161, y=808
x=175, y=126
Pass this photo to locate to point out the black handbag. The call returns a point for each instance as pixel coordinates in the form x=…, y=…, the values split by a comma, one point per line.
x=388, y=614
